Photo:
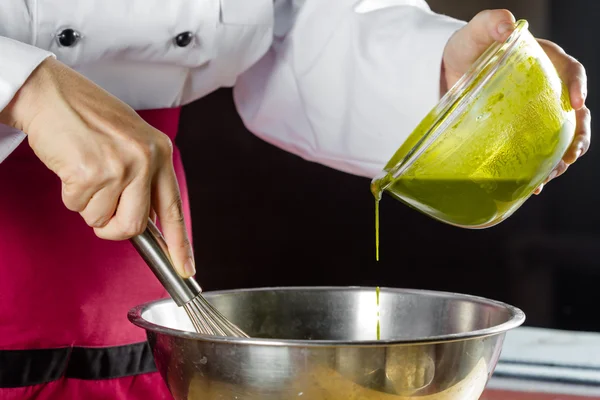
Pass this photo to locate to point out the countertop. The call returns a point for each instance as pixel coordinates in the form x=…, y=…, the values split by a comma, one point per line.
x=545, y=364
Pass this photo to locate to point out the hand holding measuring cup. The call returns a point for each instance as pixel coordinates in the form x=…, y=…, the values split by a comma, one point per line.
x=511, y=117
x=489, y=26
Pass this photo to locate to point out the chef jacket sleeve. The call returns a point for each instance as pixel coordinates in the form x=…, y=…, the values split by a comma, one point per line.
x=17, y=61
x=345, y=82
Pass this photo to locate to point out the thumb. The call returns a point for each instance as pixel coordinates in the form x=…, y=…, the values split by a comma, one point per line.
x=469, y=42
x=169, y=210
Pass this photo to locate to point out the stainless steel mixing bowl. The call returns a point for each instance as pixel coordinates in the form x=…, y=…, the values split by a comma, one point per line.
x=321, y=344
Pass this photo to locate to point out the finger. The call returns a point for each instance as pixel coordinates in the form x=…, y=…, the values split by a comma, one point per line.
x=75, y=197
x=560, y=169
x=168, y=206
x=87, y=179
x=570, y=70
x=576, y=81
x=468, y=43
x=488, y=27
x=102, y=206
x=582, y=138
x=152, y=215
x=80, y=182
x=539, y=189
x=131, y=216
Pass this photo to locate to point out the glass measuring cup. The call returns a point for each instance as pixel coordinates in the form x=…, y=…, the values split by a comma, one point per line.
x=490, y=141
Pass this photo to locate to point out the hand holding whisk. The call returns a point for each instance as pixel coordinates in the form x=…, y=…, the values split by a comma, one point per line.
x=186, y=293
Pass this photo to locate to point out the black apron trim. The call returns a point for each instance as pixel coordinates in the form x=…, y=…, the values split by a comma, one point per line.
x=20, y=368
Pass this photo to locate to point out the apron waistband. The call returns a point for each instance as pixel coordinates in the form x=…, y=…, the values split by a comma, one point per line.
x=19, y=368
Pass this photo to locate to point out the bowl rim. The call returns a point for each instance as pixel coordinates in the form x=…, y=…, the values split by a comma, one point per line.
x=454, y=101
x=517, y=318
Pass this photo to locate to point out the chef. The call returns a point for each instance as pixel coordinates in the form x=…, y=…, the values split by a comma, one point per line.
x=95, y=86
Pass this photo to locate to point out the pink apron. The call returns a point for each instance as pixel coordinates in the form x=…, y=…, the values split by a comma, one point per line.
x=64, y=294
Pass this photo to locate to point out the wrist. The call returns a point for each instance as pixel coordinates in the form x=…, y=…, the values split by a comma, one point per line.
x=26, y=103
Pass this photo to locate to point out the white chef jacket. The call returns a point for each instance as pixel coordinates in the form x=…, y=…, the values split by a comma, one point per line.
x=339, y=82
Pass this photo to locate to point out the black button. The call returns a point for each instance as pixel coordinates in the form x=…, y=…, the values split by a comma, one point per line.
x=184, y=39
x=68, y=37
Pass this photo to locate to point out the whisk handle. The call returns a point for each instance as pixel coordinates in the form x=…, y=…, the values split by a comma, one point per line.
x=153, y=249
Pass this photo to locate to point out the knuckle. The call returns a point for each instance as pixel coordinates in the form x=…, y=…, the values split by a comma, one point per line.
x=164, y=145
x=574, y=62
x=107, y=234
x=581, y=69
x=133, y=227
x=95, y=218
x=483, y=15
x=87, y=174
x=137, y=159
x=142, y=151
x=504, y=13
x=97, y=221
x=557, y=48
x=115, y=169
x=145, y=157
x=71, y=205
x=587, y=114
x=562, y=167
x=71, y=176
x=71, y=198
x=577, y=68
x=495, y=14
x=581, y=146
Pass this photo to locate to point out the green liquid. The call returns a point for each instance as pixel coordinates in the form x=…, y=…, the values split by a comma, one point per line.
x=378, y=324
x=377, y=230
x=463, y=202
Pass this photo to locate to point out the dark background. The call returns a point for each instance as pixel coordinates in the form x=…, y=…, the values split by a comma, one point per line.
x=263, y=217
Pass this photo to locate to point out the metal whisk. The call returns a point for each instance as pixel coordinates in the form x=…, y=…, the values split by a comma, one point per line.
x=185, y=292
